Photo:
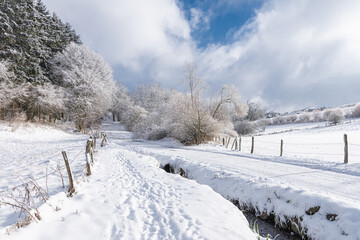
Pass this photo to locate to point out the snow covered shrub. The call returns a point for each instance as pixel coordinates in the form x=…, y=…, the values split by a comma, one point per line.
x=317, y=116
x=262, y=124
x=304, y=118
x=157, y=134
x=189, y=124
x=150, y=124
x=245, y=127
x=291, y=118
x=326, y=113
x=88, y=81
x=133, y=116
x=278, y=120
x=196, y=130
x=356, y=111
x=335, y=116
x=192, y=123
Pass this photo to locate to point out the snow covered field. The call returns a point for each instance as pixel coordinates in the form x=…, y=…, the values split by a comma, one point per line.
x=311, y=144
x=127, y=197
x=130, y=197
x=33, y=152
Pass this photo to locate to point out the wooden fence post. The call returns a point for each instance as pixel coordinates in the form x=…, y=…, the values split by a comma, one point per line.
x=91, y=150
x=104, y=140
x=71, y=182
x=233, y=145
x=94, y=143
x=236, y=144
x=252, y=144
x=281, y=147
x=239, y=144
x=227, y=145
x=87, y=153
x=346, y=149
x=223, y=141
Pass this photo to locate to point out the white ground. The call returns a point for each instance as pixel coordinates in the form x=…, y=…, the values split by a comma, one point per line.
x=127, y=197
x=286, y=186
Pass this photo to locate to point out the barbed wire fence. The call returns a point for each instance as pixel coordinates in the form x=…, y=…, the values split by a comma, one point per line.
x=27, y=196
x=280, y=149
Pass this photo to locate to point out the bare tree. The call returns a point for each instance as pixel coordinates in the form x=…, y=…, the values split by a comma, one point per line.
x=227, y=94
x=255, y=111
x=200, y=125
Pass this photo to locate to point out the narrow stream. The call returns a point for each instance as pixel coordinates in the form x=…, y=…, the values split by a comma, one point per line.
x=265, y=227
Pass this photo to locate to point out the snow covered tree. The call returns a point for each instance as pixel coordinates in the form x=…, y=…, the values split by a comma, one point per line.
x=197, y=123
x=30, y=37
x=45, y=100
x=255, y=111
x=335, y=116
x=88, y=81
x=121, y=102
x=11, y=95
x=151, y=97
x=228, y=94
x=133, y=116
x=356, y=111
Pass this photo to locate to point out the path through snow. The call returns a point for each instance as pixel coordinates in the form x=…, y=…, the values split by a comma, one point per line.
x=130, y=197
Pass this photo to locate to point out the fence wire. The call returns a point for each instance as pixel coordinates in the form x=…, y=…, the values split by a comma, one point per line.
x=247, y=143
x=46, y=175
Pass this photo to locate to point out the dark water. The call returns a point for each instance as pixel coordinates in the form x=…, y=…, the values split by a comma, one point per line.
x=266, y=228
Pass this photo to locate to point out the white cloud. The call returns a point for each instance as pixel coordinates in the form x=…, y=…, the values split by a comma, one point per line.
x=199, y=20
x=292, y=53
x=147, y=38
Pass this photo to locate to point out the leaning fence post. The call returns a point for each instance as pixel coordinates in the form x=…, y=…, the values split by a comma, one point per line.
x=346, y=149
x=105, y=140
x=239, y=144
x=252, y=144
x=71, y=188
x=232, y=146
x=87, y=152
x=281, y=147
x=228, y=142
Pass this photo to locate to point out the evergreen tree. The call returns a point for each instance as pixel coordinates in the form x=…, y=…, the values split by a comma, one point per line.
x=30, y=37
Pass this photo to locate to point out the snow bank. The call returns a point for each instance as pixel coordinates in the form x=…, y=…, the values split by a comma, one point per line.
x=335, y=219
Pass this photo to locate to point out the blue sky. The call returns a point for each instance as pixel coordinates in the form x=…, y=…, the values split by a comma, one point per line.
x=224, y=19
x=291, y=54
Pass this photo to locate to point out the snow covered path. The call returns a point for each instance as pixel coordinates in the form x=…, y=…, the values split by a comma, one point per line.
x=130, y=197
x=327, y=183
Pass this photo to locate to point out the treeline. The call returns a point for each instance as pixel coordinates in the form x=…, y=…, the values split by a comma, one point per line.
x=331, y=115
x=45, y=71
x=46, y=74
